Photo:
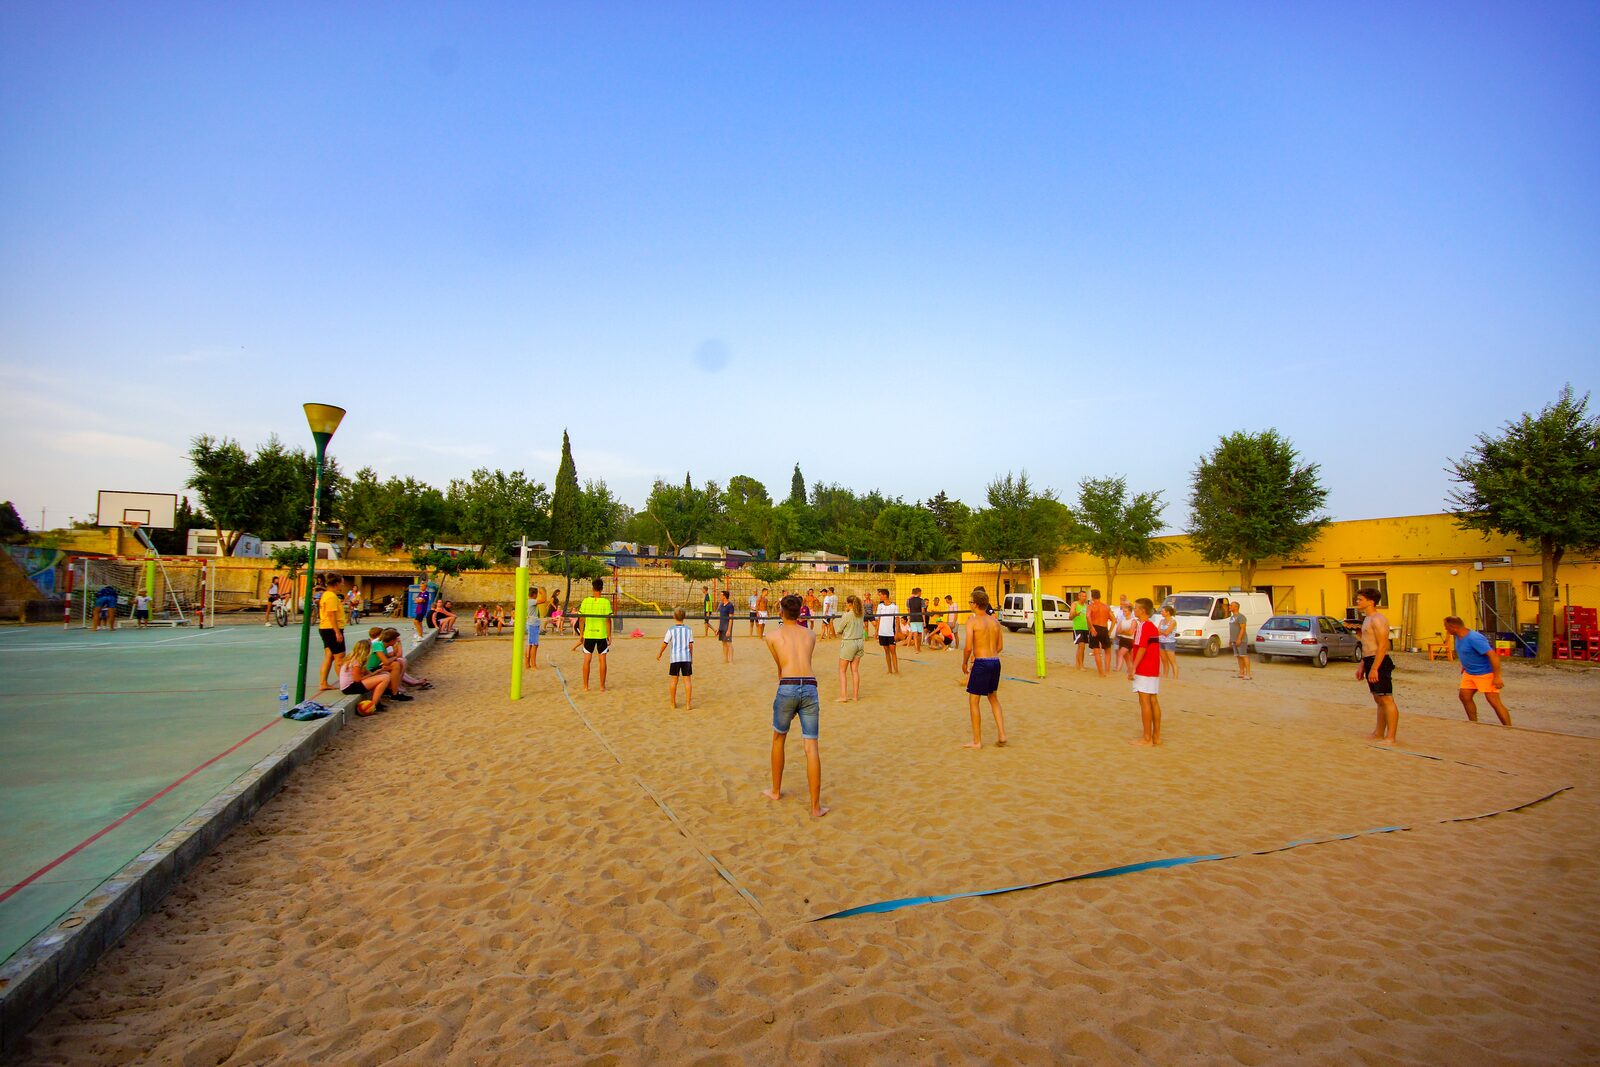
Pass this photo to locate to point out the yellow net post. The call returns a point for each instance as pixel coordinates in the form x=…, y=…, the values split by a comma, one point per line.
x=519, y=615
x=1038, y=620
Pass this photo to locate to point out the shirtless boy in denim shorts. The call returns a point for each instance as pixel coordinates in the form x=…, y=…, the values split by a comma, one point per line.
x=791, y=646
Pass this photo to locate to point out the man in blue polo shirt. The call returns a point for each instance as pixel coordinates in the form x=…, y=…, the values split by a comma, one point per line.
x=1480, y=670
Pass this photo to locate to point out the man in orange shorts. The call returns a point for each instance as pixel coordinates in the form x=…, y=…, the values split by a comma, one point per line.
x=1480, y=670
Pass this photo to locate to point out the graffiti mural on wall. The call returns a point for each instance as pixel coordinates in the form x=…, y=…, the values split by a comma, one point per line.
x=39, y=564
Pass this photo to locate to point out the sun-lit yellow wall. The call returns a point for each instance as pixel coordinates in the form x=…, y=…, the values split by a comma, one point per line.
x=1414, y=553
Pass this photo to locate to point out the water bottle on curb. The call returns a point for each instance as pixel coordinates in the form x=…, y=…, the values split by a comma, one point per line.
x=283, y=696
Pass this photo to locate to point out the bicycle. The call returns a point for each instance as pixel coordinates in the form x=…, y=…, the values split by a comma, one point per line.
x=280, y=611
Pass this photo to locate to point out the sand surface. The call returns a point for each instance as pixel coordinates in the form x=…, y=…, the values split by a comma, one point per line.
x=467, y=880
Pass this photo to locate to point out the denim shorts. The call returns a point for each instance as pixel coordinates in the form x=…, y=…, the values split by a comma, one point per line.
x=795, y=700
x=533, y=633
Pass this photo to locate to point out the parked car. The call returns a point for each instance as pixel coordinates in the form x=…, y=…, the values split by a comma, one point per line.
x=1016, y=612
x=1317, y=638
x=1203, y=617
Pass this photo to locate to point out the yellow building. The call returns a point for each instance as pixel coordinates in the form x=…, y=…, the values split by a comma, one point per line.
x=1426, y=566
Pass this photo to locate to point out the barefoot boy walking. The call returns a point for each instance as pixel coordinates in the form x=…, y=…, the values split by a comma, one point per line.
x=791, y=646
x=985, y=640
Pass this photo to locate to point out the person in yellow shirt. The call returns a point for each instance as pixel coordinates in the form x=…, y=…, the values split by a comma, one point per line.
x=330, y=624
x=595, y=616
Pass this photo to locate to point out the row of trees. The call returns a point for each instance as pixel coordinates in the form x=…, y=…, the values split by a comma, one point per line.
x=1252, y=498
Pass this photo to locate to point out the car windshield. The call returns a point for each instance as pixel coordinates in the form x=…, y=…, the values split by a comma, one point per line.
x=1287, y=622
x=1189, y=605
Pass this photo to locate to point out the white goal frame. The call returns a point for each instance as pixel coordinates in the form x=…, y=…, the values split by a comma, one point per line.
x=183, y=590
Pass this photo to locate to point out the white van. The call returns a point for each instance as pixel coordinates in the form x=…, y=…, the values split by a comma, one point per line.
x=1203, y=617
x=1016, y=612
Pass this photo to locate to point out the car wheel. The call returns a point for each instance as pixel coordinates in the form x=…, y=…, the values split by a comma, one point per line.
x=1213, y=647
x=1322, y=656
x=1355, y=653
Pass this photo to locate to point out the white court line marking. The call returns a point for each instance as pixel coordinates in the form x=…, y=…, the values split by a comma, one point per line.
x=142, y=646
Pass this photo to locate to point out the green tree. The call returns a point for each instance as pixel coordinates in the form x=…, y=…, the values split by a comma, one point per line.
x=600, y=515
x=222, y=478
x=1252, y=499
x=1539, y=481
x=772, y=573
x=747, y=511
x=565, y=504
x=697, y=570
x=440, y=565
x=13, y=531
x=361, y=505
x=683, y=514
x=268, y=494
x=410, y=513
x=494, y=509
x=1111, y=526
x=952, y=517
x=906, y=532
x=797, y=488
x=1019, y=523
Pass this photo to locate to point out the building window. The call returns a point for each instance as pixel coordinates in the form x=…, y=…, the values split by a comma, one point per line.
x=1161, y=594
x=1379, y=582
x=1531, y=590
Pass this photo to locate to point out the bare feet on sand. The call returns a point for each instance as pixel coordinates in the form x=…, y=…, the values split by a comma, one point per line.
x=817, y=813
x=772, y=794
x=973, y=744
x=1142, y=742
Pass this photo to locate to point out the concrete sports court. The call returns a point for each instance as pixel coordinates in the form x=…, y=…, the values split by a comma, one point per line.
x=108, y=740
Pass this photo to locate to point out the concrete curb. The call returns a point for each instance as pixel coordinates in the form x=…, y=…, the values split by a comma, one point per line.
x=41, y=972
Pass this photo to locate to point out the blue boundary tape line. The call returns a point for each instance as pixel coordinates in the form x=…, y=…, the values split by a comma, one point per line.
x=716, y=864
x=883, y=906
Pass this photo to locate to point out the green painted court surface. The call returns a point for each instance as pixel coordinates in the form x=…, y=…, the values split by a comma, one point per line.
x=92, y=725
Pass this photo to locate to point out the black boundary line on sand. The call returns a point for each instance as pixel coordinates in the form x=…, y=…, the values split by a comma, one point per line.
x=41, y=972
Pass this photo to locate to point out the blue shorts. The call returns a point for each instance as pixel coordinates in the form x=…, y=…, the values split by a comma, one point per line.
x=533, y=633
x=916, y=627
x=105, y=602
x=985, y=677
x=795, y=700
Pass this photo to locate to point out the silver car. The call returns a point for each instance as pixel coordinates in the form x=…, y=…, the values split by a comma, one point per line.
x=1317, y=638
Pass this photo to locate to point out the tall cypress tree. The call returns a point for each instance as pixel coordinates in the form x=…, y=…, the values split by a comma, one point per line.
x=797, y=488
x=564, y=505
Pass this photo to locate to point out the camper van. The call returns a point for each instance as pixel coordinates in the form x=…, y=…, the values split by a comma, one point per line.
x=1016, y=612
x=1203, y=617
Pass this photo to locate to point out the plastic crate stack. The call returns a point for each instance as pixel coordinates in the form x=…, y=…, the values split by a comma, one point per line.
x=1577, y=634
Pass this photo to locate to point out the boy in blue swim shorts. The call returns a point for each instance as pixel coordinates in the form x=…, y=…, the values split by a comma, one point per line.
x=985, y=640
x=791, y=646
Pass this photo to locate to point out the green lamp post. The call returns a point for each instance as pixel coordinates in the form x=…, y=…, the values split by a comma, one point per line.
x=324, y=419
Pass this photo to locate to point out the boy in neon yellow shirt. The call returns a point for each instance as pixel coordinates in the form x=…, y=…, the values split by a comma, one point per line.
x=595, y=611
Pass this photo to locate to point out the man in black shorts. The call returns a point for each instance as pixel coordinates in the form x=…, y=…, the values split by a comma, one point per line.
x=1377, y=668
x=725, y=627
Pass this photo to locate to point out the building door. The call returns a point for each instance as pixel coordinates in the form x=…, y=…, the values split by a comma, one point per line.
x=1497, y=607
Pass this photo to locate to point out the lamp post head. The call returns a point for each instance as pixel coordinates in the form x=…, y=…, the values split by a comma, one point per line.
x=324, y=420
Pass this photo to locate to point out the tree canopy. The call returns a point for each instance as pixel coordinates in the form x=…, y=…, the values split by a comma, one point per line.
x=1112, y=527
x=1018, y=522
x=267, y=494
x=1537, y=480
x=495, y=509
x=564, y=504
x=1251, y=500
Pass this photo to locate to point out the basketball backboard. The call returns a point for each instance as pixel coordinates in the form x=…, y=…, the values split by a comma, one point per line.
x=153, y=511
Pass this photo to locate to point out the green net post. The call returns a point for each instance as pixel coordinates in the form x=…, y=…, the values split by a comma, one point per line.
x=519, y=615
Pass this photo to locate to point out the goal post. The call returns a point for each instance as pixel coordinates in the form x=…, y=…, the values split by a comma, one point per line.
x=179, y=590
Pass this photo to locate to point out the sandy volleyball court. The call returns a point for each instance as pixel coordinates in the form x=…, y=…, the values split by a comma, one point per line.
x=469, y=881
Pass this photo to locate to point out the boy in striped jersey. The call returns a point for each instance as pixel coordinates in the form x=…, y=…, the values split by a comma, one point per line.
x=680, y=639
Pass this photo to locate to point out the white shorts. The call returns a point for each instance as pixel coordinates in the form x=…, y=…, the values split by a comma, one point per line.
x=1142, y=684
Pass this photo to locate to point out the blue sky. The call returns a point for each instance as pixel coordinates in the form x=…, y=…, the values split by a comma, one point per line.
x=908, y=246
